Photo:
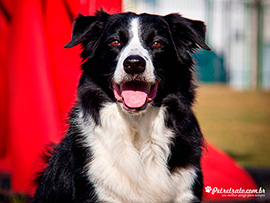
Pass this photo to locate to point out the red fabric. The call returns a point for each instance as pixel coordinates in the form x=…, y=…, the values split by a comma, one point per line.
x=64, y=63
x=38, y=83
x=41, y=77
x=34, y=115
x=4, y=33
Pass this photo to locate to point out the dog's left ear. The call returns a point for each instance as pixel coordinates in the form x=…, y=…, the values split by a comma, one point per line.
x=191, y=32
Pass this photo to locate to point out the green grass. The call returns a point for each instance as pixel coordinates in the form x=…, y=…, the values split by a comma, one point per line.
x=237, y=122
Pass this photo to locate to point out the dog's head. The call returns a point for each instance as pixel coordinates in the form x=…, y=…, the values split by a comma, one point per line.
x=137, y=59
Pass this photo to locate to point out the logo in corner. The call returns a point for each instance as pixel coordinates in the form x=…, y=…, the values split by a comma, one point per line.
x=208, y=189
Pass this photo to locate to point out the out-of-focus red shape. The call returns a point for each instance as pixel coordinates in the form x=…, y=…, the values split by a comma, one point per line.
x=4, y=36
x=63, y=63
x=38, y=80
x=34, y=118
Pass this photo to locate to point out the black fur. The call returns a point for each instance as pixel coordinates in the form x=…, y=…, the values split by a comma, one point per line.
x=64, y=178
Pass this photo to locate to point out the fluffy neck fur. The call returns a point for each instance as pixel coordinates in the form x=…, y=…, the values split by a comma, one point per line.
x=129, y=157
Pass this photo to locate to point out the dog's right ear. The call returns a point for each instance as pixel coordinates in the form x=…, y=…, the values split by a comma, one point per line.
x=81, y=26
x=88, y=31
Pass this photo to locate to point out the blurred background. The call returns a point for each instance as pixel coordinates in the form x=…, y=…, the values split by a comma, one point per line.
x=238, y=32
x=233, y=102
x=233, y=98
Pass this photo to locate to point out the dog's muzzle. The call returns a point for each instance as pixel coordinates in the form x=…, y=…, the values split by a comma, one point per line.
x=136, y=92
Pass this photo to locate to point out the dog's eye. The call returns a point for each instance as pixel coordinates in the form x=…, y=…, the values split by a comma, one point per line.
x=116, y=43
x=156, y=44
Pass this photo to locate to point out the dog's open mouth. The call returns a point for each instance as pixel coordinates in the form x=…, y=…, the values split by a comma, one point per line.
x=135, y=94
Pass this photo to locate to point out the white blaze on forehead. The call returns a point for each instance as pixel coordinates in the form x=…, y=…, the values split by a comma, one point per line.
x=135, y=44
x=134, y=47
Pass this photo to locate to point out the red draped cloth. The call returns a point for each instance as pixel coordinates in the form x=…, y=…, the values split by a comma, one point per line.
x=38, y=80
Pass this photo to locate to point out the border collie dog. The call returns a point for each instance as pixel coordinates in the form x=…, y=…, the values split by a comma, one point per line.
x=132, y=137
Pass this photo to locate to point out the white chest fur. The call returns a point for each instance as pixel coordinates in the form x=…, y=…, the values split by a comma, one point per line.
x=129, y=162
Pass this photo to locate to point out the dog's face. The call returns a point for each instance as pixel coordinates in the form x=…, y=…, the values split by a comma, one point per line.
x=143, y=58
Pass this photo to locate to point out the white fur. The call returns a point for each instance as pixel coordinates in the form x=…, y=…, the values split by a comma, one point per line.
x=130, y=154
x=134, y=47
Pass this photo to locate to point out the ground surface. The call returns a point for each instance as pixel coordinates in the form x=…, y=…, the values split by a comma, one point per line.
x=237, y=122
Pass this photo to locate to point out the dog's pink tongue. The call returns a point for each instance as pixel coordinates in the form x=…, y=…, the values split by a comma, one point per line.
x=134, y=94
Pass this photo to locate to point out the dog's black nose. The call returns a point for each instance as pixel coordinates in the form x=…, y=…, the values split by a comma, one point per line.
x=134, y=64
